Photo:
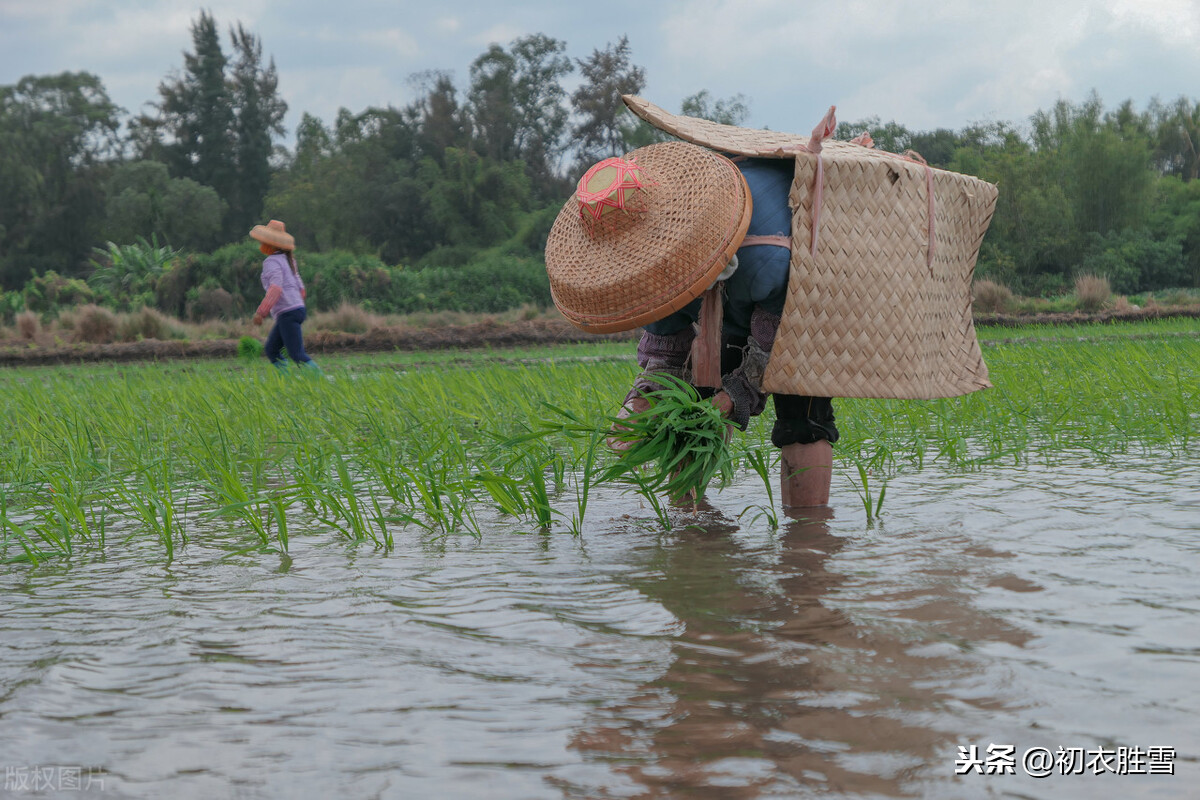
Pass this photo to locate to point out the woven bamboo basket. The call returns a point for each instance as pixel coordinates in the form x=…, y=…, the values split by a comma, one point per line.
x=882, y=308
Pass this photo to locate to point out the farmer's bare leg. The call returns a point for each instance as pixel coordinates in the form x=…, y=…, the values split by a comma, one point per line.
x=804, y=427
x=805, y=473
x=804, y=432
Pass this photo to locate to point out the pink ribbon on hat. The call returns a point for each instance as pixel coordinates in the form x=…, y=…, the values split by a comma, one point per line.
x=617, y=194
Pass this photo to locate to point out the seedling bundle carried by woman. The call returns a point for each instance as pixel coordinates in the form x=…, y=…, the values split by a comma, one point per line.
x=763, y=263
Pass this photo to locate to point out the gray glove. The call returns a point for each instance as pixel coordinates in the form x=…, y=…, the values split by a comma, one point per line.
x=744, y=384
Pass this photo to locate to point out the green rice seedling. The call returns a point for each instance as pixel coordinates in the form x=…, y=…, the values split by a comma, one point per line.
x=226, y=490
x=584, y=481
x=31, y=552
x=336, y=503
x=430, y=447
x=50, y=528
x=151, y=505
x=761, y=464
x=385, y=471
x=537, y=498
x=383, y=520
x=873, y=507
x=360, y=518
x=677, y=446
x=279, y=512
x=649, y=493
x=440, y=499
x=345, y=501
x=557, y=465
x=504, y=491
x=74, y=504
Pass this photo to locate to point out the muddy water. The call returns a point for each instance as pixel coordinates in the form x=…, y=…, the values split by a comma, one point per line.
x=1027, y=607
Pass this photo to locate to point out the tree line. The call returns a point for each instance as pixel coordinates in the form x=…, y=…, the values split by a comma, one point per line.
x=464, y=176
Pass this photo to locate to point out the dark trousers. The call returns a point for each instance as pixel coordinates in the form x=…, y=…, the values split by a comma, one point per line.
x=286, y=333
x=798, y=419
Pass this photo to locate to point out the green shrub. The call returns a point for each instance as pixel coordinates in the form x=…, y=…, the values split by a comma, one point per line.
x=346, y=318
x=209, y=302
x=530, y=239
x=339, y=276
x=171, y=290
x=448, y=255
x=1135, y=261
x=145, y=323
x=48, y=292
x=11, y=304
x=227, y=282
x=28, y=325
x=130, y=272
x=491, y=284
x=236, y=268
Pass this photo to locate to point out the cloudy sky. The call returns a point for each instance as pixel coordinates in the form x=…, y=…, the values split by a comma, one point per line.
x=923, y=63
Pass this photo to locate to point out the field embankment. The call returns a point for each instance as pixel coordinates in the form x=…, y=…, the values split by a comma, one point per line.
x=483, y=334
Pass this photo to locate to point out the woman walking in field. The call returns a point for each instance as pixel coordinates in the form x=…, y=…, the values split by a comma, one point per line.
x=285, y=295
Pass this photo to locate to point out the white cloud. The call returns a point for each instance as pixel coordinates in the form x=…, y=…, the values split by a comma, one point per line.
x=500, y=34
x=1176, y=22
x=926, y=63
x=398, y=41
x=354, y=88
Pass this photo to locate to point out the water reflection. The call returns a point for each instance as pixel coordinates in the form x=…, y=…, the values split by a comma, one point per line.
x=1032, y=606
x=776, y=688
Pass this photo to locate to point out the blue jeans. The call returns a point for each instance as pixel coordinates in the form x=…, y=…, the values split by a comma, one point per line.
x=286, y=333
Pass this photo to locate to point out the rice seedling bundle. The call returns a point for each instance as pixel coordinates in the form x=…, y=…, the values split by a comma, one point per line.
x=676, y=446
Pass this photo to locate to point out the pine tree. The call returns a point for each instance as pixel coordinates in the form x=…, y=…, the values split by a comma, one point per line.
x=259, y=112
x=605, y=122
x=197, y=115
x=217, y=120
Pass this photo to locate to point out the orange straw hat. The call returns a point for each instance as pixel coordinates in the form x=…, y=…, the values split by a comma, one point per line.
x=275, y=234
x=645, y=234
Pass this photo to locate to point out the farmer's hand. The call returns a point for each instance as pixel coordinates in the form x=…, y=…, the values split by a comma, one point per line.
x=636, y=404
x=724, y=404
x=258, y=319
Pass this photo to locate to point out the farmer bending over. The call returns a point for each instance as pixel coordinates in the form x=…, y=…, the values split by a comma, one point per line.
x=673, y=235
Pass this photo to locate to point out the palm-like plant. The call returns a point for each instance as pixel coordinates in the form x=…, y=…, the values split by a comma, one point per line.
x=130, y=269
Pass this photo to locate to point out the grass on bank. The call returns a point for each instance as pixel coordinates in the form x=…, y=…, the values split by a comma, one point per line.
x=92, y=324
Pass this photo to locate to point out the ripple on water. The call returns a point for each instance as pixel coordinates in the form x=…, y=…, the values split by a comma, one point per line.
x=1035, y=606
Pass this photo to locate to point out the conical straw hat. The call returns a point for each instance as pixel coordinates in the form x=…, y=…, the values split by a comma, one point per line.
x=275, y=234
x=645, y=235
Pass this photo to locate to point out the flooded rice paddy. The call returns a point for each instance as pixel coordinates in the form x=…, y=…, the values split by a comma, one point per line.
x=1009, y=609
